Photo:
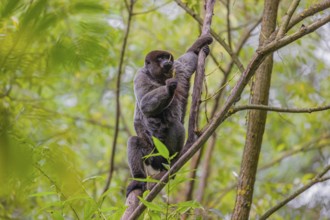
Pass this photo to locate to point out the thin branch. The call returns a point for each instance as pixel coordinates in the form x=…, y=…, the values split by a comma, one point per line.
x=312, y=10
x=317, y=179
x=247, y=35
x=304, y=148
x=278, y=109
x=214, y=34
x=286, y=19
x=152, y=9
x=237, y=28
x=57, y=188
x=228, y=24
x=256, y=60
x=231, y=64
x=304, y=30
x=118, y=83
x=199, y=77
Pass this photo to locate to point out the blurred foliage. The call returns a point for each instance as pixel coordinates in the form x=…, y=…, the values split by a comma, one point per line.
x=58, y=65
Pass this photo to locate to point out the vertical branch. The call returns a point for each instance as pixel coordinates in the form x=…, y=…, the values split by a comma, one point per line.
x=210, y=147
x=200, y=74
x=197, y=91
x=256, y=119
x=286, y=19
x=120, y=70
x=228, y=24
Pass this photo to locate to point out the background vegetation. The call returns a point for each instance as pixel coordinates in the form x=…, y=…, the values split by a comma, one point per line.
x=59, y=65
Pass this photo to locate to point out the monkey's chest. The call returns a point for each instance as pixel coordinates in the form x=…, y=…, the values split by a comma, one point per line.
x=160, y=125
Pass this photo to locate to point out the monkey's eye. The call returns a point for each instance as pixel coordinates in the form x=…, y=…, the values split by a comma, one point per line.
x=147, y=62
x=164, y=57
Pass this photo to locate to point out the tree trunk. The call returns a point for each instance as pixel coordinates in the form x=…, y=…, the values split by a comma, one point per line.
x=256, y=119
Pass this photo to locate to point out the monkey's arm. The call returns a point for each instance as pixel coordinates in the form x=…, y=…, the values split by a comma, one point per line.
x=151, y=99
x=186, y=65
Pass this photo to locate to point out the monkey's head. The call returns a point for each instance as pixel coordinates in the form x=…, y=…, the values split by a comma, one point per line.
x=159, y=65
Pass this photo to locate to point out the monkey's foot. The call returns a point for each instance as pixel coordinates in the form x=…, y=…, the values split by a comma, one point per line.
x=135, y=185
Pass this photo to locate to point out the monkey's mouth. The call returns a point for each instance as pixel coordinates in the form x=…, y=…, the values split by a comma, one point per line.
x=168, y=73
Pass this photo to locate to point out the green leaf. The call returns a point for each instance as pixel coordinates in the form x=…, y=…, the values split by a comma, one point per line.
x=147, y=180
x=154, y=216
x=43, y=194
x=151, y=155
x=88, y=7
x=167, y=167
x=57, y=215
x=151, y=205
x=8, y=7
x=161, y=148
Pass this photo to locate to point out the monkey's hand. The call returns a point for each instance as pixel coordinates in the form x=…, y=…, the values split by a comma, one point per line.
x=171, y=85
x=136, y=185
x=206, y=50
x=202, y=41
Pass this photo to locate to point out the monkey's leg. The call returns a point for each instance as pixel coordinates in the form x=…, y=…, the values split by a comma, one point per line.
x=137, y=148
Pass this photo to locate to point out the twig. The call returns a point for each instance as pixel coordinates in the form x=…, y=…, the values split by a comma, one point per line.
x=278, y=109
x=286, y=19
x=312, y=10
x=317, y=179
x=256, y=60
x=120, y=67
x=214, y=34
x=153, y=9
x=304, y=30
x=305, y=147
x=291, y=153
x=57, y=188
x=228, y=24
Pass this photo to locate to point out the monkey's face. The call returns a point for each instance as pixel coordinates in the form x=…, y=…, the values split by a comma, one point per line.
x=159, y=64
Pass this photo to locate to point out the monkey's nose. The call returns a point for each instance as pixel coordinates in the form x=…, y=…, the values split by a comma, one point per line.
x=168, y=65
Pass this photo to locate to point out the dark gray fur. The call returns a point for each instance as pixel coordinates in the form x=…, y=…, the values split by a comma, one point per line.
x=161, y=102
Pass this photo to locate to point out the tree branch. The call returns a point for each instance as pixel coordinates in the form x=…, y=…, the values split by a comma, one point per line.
x=312, y=10
x=256, y=60
x=214, y=34
x=318, y=178
x=312, y=145
x=228, y=24
x=278, y=109
x=304, y=30
x=118, y=83
x=286, y=19
x=211, y=145
x=199, y=78
x=152, y=9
